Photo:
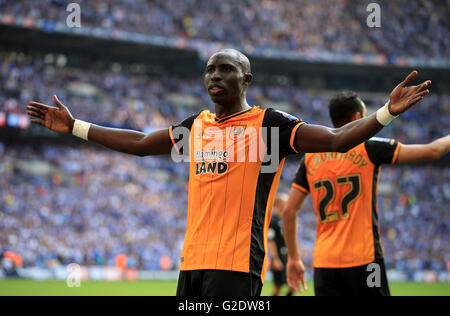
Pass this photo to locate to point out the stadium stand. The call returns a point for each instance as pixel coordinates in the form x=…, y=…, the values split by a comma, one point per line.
x=265, y=27
x=51, y=208
x=142, y=102
x=87, y=206
x=84, y=204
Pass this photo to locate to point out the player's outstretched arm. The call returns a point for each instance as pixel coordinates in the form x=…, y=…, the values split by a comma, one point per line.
x=426, y=152
x=295, y=269
x=314, y=138
x=60, y=120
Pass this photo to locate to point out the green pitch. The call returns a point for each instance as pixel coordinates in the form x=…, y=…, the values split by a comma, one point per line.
x=168, y=288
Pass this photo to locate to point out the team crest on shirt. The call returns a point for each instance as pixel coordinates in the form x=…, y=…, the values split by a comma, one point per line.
x=237, y=130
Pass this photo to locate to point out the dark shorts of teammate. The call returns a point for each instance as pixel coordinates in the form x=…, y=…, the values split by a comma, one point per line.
x=218, y=283
x=351, y=281
x=279, y=277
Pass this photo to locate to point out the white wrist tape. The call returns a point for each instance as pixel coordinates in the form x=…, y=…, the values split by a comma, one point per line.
x=81, y=129
x=385, y=117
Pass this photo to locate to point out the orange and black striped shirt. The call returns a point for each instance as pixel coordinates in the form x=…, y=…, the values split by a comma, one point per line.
x=235, y=168
x=344, y=189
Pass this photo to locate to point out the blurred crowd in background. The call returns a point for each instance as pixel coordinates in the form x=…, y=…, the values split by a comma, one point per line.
x=87, y=205
x=268, y=24
x=148, y=103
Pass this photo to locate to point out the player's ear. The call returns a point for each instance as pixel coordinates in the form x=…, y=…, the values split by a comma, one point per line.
x=357, y=116
x=248, y=78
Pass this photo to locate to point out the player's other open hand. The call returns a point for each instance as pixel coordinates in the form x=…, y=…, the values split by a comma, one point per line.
x=57, y=119
x=404, y=97
x=295, y=271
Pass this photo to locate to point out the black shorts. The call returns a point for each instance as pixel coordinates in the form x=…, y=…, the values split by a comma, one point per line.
x=279, y=277
x=218, y=283
x=357, y=281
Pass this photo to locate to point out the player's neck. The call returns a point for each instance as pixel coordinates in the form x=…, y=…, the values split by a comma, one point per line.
x=224, y=110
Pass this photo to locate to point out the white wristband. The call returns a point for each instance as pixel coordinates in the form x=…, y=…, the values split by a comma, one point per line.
x=81, y=129
x=385, y=117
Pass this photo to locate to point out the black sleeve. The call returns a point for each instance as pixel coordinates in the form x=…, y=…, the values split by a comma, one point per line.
x=177, y=135
x=287, y=125
x=300, y=180
x=382, y=150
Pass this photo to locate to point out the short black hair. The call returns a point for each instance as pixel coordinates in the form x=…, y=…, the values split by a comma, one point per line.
x=344, y=106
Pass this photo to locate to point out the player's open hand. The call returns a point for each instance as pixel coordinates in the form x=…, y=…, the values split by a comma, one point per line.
x=404, y=96
x=295, y=271
x=57, y=119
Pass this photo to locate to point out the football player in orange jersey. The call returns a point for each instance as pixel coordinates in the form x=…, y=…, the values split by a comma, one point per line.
x=230, y=202
x=344, y=191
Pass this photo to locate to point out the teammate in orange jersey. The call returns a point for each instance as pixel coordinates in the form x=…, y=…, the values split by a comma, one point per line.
x=230, y=200
x=344, y=191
